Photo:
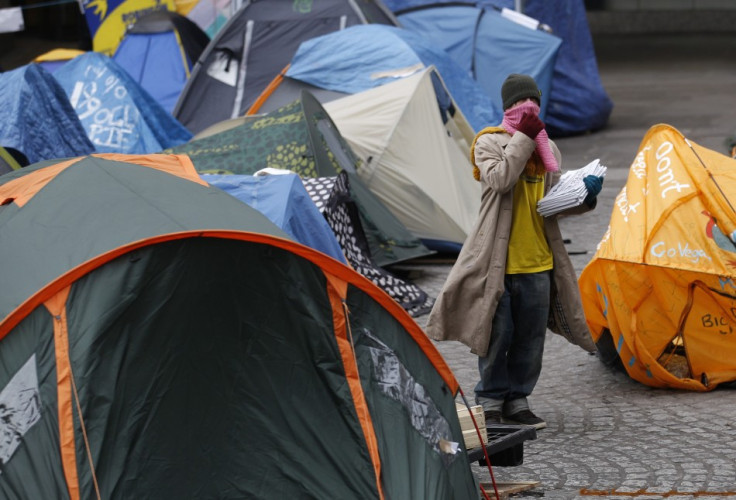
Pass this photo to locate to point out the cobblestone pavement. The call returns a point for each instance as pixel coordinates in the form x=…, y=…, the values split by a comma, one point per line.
x=608, y=434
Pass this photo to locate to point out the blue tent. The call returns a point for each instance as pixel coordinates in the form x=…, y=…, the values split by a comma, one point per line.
x=366, y=56
x=576, y=100
x=36, y=118
x=285, y=201
x=159, y=51
x=487, y=45
x=118, y=115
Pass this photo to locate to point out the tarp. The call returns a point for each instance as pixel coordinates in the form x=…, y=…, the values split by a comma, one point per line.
x=302, y=138
x=190, y=346
x=487, y=45
x=159, y=51
x=254, y=46
x=415, y=162
x=286, y=203
x=118, y=115
x=36, y=118
x=366, y=56
x=662, y=283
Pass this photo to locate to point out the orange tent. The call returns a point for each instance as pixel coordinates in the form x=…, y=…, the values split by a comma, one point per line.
x=663, y=280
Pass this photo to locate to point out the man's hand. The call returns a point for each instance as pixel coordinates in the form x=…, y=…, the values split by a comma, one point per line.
x=530, y=125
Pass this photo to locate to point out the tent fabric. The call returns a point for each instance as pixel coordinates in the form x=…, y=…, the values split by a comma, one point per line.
x=578, y=102
x=332, y=197
x=190, y=346
x=366, y=56
x=159, y=51
x=661, y=283
x=302, y=138
x=415, y=164
x=37, y=119
x=118, y=115
x=254, y=46
x=286, y=203
x=8, y=162
x=56, y=58
x=487, y=45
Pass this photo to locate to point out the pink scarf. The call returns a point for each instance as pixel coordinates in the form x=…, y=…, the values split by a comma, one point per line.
x=511, y=118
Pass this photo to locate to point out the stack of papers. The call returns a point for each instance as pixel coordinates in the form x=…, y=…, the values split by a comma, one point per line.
x=570, y=191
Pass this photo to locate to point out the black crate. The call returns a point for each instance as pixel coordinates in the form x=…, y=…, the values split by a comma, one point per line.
x=505, y=445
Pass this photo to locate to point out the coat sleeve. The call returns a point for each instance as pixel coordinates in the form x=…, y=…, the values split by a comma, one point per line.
x=501, y=165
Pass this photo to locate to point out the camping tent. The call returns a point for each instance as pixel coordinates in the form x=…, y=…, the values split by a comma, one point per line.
x=576, y=100
x=416, y=163
x=36, y=118
x=118, y=115
x=369, y=55
x=108, y=19
x=302, y=138
x=158, y=52
x=486, y=44
x=56, y=58
x=333, y=197
x=320, y=213
x=254, y=46
x=8, y=160
x=661, y=289
x=188, y=347
x=286, y=203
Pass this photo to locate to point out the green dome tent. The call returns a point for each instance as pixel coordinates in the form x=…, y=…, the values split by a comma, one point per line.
x=161, y=339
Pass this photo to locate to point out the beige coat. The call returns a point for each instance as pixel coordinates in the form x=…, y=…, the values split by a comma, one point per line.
x=467, y=303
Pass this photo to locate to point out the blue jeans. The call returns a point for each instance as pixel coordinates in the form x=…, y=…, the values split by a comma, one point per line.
x=510, y=370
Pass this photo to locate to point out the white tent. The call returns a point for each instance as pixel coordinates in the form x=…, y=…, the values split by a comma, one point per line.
x=417, y=165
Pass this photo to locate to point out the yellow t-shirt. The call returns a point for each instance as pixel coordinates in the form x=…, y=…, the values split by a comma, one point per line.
x=528, y=248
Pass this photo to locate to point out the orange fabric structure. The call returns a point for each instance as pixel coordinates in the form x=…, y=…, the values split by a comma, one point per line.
x=663, y=280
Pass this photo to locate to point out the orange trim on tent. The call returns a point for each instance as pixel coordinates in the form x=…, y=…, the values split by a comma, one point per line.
x=22, y=189
x=273, y=85
x=337, y=292
x=178, y=165
x=325, y=262
x=57, y=307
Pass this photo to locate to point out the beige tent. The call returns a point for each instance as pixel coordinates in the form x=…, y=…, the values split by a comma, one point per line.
x=417, y=165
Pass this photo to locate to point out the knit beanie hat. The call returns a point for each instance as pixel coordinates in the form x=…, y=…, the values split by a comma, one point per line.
x=517, y=87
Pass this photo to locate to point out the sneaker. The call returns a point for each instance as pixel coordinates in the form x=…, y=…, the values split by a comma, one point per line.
x=525, y=417
x=492, y=416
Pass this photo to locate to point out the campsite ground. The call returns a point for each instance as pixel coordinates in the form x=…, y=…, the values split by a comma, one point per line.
x=609, y=436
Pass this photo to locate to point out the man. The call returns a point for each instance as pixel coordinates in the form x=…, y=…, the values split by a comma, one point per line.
x=513, y=277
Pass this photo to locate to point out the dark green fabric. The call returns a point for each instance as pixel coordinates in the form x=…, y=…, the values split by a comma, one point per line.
x=411, y=468
x=97, y=205
x=208, y=369
x=34, y=469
